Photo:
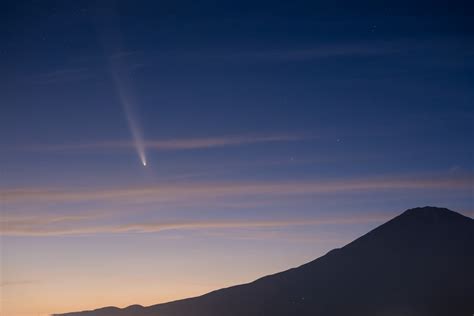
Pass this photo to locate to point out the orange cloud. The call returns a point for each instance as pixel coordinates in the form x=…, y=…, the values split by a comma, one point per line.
x=41, y=227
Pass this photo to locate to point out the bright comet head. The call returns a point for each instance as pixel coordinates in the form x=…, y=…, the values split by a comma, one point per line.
x=141, y=151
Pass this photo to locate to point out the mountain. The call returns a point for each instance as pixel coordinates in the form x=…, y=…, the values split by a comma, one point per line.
x=419, y=263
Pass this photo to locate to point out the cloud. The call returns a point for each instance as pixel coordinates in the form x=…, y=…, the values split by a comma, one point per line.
x=63, y=75
x=220, y=141
x=323, y=51
x=300, y=236
x=355, y=49
x=17, y=282
x=120, y=204
x=315, y=51
x=18, y=221
x=215, y=190
x=179, y=144
x=37, y=228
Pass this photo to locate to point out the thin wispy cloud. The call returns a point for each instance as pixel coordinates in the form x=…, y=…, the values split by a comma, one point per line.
x=17, y=282
x=62, y=75
x=178, y=144
x=45, y=219
x=32, y=228
x=75, y=214
x=324, y=50
x=220, y=189
x=349, y=49
x=299, y=236
x=444, y=48
x=354, y=49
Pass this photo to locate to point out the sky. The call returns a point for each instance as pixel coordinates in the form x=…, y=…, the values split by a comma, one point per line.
x=158, y=150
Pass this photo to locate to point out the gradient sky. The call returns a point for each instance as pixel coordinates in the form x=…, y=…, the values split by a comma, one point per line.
x=273, y=132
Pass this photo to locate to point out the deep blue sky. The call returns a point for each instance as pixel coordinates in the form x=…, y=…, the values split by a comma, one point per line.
x=392, y=78
x=256, y=117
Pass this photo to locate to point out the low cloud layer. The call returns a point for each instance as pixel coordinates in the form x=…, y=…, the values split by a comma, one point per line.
x=51, y=211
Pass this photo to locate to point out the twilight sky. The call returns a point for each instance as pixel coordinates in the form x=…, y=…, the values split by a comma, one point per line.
x=272, y=132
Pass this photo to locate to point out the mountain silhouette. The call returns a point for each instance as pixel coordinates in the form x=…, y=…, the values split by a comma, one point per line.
x=419, y=263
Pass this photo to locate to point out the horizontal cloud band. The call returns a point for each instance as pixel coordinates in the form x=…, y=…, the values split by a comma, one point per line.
x=40, y=226
x=178, y=144
x=166, y=192
x=43, y=220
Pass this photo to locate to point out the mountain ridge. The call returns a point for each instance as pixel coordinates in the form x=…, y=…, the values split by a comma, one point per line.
x=417, y=263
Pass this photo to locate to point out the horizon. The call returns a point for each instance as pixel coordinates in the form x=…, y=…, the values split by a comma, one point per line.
x=160, y=151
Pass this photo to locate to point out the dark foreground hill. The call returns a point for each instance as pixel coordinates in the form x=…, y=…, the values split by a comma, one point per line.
x=419, y=263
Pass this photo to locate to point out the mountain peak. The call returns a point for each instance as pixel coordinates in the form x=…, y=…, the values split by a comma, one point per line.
x=415, y=228
x=429, y=215
x=430, y=212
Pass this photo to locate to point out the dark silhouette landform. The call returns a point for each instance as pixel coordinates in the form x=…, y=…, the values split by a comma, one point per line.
x=419, y=263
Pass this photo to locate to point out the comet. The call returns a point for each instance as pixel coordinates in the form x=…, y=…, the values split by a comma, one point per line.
x=129, y=104
x=119, y=69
